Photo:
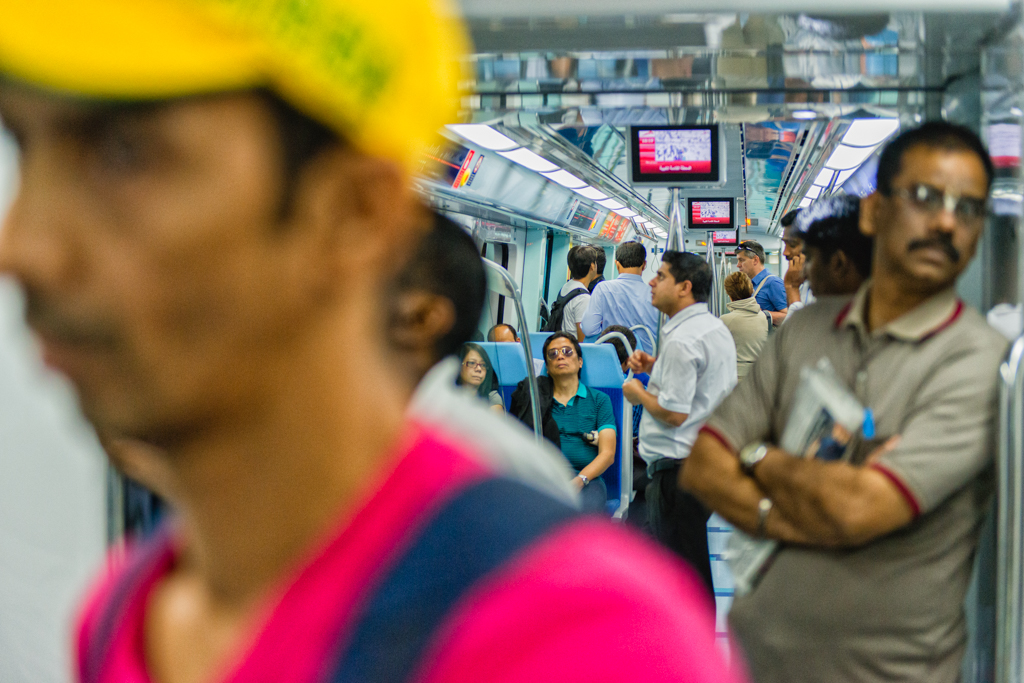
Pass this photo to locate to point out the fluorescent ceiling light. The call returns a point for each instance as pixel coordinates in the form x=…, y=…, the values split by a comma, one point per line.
x=804, y=114
x=484, y=136
x=565, y=179
x=660, y=233
x=814, y=191
x=628, y=213
x=612, y=204
x=805, y=202
x=844, y=176
x=641, y=220
x=590, y=193
x=870, y=132
x=845, y=157
x=825, y=177
x=534, y=162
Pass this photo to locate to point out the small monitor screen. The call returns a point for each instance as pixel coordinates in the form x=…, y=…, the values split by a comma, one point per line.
x=725, y=237
x=668, y=155
x=711, y=212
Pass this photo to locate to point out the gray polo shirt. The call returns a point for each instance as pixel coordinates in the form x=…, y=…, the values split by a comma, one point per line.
x=891, y=609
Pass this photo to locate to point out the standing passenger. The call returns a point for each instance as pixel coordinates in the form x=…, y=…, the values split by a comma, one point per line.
x=695, y=369
x=878, y=547
x=574, y=297
x=746, y=323
x=838, y=255
x=798, y=289
x=602, y=261
x=215, y=199
x=769, y=290
x=626, y=300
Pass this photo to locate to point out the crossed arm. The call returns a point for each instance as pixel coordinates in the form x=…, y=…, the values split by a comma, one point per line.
x=815, y=503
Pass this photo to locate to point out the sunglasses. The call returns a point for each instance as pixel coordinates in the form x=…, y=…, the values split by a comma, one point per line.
x=566, y=351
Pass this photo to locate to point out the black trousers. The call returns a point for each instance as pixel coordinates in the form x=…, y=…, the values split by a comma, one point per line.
x=679, y=522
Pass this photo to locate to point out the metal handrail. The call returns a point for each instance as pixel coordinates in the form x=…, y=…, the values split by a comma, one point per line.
x=650, y=335
x=1009, y=637
x=500, y=281
x=625, y=342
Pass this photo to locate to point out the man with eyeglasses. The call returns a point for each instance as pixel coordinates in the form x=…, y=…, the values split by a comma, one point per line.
x=877, y=547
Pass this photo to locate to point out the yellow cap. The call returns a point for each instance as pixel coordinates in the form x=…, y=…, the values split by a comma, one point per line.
x=383, y=73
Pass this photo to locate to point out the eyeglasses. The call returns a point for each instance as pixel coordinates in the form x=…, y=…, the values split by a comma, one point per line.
x=928, y=199
x=566, y=351
x=474, y=365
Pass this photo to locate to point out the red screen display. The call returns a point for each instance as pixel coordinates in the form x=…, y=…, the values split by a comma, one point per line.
x=675, y=151
x=711, y=212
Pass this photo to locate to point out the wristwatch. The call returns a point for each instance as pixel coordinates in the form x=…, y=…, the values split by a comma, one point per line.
x=751, y=455
x=586, y=482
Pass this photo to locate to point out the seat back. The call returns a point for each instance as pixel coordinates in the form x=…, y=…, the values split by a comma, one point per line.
x=601, y=370
x=537, y=340
x=509, y=363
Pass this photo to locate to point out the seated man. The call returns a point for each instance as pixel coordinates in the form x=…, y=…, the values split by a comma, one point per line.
x=586, y=424
x=503, y=332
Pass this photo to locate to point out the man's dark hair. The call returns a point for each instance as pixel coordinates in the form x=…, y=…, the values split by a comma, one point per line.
x=631, y=255
x=833, y=225
x=575, y=345
x=686, y=266
x=788, y=219
x=602, y=259
x=620, y=349
x=754, y=248
x=580, y=258
x=936, y=135
x=447, y=264
x=490, y=332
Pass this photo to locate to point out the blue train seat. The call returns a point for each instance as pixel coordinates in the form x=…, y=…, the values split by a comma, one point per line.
x=537, y=340
x=509, y=362
x=601, y=370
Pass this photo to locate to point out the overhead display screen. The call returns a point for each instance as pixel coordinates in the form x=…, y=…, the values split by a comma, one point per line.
x=584, y=216
x=674, y=155
x=725, y=237
x=715, y=212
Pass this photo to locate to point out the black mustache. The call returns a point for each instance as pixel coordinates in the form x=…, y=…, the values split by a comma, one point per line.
x=943, y=242
x=48, y=320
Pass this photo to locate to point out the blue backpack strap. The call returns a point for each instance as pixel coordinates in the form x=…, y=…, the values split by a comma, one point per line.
x=141, y=565
x=478, y=531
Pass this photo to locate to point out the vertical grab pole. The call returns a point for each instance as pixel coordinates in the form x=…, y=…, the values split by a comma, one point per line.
x=1010, y=520
x=676, y=240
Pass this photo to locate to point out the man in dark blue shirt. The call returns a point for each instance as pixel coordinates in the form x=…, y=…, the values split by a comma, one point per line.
x=769, y=290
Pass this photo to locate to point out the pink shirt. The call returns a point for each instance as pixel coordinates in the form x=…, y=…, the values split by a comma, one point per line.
x=591, y=602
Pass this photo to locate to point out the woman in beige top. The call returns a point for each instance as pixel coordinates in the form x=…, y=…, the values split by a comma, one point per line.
x=746, y=321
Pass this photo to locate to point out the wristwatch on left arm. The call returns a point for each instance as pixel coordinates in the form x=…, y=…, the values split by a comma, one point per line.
x=752, y=454
x=583, y=477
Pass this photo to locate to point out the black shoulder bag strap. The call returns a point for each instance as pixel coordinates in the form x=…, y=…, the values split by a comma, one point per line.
x=477, y=532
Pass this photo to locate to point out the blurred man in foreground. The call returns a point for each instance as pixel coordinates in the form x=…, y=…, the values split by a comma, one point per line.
x=869, y=582
x=215, y=200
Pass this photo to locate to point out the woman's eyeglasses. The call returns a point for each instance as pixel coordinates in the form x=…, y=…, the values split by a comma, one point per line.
x=566, y=351
x=474, y=365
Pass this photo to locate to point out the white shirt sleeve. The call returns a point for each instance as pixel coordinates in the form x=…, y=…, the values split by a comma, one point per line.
x=681, y=366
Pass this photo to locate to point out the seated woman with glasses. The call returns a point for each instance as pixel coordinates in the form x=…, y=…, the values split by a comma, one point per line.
x=586, y=424
x=478, y=376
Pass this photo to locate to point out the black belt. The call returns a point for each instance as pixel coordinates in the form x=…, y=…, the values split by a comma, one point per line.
x=662, y=465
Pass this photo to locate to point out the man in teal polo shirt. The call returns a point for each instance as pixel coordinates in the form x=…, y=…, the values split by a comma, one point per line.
x=586, y=423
